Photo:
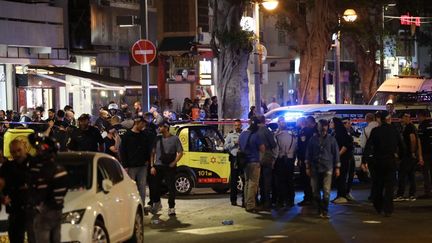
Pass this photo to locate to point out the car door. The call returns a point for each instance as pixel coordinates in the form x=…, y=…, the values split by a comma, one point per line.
x=114, y=199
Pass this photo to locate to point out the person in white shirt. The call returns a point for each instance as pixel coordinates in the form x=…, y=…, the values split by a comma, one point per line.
x=370, y=119
x=273, y=105
x=285, y=152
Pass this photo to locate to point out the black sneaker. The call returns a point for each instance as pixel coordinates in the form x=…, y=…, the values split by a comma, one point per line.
x=234, y=203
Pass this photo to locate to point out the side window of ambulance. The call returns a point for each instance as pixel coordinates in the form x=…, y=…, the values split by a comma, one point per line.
x=195, y=143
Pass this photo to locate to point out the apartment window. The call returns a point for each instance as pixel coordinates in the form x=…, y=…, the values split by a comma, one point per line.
x=176, y=16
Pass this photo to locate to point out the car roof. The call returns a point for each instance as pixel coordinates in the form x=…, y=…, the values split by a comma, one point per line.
x=323, y=108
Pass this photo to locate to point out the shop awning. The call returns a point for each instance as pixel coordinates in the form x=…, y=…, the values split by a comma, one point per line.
x=180, y=44
x=104, y=80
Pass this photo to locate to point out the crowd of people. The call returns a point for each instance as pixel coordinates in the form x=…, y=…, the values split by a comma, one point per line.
x=141, y=141
x=324, y=151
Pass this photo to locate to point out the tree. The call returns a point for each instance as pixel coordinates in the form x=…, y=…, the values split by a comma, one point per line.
x=311, y=24
x=363, y=41
x=232, y=46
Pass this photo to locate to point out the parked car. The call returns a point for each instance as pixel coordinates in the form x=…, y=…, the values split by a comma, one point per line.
x=103, y=203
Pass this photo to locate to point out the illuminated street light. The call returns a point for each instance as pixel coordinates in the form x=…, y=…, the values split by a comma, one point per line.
x=350, y=15
x=270, y=4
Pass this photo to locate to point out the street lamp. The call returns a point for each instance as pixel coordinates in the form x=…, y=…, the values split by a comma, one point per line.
x=350, y=16
x=268, y=5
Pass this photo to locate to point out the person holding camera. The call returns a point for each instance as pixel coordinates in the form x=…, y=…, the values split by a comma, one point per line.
x=166, y=153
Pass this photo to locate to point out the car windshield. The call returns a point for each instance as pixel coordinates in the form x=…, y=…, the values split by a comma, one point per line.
x=79, y=170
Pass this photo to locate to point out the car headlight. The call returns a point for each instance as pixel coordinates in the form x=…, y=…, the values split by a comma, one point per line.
x=73, y=217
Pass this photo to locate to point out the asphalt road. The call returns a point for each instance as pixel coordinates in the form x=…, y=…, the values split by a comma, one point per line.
x=199, y=219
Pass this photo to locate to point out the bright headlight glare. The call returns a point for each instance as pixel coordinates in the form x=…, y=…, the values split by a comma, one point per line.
x=73, y=217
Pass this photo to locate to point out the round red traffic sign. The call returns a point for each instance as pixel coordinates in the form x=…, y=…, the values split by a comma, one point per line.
x=143, y=52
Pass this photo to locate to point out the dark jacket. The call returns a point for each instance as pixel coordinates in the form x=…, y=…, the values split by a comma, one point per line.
x=384, y=143
x=16, y=176
x=136, y=148
x=322, y=154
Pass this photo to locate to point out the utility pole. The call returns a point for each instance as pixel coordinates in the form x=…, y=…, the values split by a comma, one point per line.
x=145, y=72
x=257, y=60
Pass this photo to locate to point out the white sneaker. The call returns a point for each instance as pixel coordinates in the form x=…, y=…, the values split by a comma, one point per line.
x=350, y=197
x=171, y=212
x=340, y=200
x=156, y=207
x=398, y=199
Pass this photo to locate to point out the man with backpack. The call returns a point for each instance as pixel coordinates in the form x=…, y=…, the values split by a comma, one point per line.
x=249, y=155
x=166, y=153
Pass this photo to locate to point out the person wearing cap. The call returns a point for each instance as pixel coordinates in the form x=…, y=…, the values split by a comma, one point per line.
x=251, y=145
x=135, y=151
x=322, y=160
x=408, y=163
x=384, y=145
x=167, y=151
x=86, y=137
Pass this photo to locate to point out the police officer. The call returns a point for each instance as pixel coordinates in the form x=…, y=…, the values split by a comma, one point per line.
x=232, y=145
x=384, y=144
x=47, y=189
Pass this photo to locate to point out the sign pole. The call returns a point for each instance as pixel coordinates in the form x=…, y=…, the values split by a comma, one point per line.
x=145, y=77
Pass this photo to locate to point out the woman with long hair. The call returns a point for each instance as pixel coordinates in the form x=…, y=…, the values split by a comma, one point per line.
x=345, y=143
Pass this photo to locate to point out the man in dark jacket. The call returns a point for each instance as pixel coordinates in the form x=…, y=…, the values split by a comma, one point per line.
x=15, y=175
x=86, y=137
x=322, y=157
x=384, y=144
x=135, y=151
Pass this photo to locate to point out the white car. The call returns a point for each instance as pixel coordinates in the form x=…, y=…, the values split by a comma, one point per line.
x=103, y=203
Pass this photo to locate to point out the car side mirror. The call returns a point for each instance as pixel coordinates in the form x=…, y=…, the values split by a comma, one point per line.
x=107, y=185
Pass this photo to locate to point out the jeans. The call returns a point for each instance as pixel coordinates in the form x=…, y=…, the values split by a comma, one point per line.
x=305, y=182
x=46, y=225
x=384, y=178
x=235, y=174
x=324, y=180
x=427, y=173
x=168, y=174
x=252, y=175
x=139, y=175
x=284, y=178
x=407, y=172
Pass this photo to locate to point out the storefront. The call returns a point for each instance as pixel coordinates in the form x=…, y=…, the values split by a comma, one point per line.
x=185, y=71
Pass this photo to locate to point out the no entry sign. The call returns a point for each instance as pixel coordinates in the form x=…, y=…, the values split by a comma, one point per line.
x=143, y=52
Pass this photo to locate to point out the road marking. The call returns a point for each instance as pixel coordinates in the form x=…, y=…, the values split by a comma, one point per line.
x=276, y=236
x=218, y=229
x=371, y=222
